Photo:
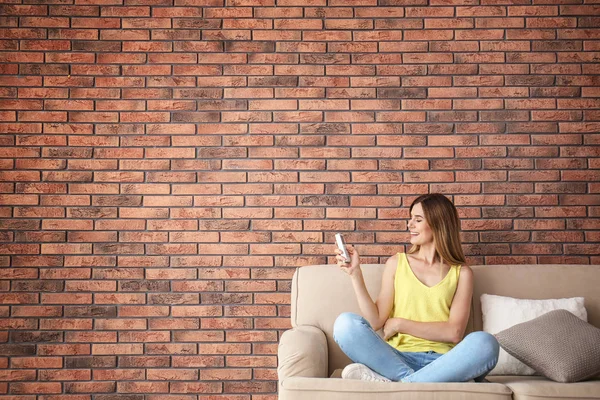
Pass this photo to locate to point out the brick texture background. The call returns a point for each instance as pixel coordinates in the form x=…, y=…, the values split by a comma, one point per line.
x=165, y=164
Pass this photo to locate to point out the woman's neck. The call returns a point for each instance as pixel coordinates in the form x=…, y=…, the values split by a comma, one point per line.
x=428, y=254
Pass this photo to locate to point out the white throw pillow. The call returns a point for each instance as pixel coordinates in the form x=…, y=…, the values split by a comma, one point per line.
x=501, y=313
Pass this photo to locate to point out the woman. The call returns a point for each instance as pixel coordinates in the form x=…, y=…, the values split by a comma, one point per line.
x=423, y=308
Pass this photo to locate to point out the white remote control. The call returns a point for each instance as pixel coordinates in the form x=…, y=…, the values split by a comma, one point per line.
x=341, y=244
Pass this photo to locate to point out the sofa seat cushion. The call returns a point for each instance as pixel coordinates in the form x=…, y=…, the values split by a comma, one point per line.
x=297, y=388
x=540, y=388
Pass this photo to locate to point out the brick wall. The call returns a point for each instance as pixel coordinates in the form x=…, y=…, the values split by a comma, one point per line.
x=167, y=163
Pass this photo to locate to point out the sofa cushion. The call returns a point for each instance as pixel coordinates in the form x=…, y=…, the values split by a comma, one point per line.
x=558, y=345
x=501, y=312
x=350, y=389
x=540, y=388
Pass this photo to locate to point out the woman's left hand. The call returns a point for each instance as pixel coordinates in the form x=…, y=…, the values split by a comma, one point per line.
x=391, y=328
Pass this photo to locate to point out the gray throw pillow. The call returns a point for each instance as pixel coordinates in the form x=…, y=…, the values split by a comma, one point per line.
x=558, y=345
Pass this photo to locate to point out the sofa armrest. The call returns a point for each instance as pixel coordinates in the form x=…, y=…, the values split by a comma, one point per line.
x=302, y=352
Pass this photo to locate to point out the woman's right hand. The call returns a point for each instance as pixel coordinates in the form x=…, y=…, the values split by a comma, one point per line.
x=353, y=267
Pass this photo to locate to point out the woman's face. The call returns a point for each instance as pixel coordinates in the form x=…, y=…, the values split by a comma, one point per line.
x=420, y=232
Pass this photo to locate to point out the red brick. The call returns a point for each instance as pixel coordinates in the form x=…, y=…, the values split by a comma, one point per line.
x=480, y=34
x=51, y=46
x=481, y=11
x=35, y=387
x=348, y=23
x=580, y=10
x=22, y=33
x=23, y=10
x=428, y=12
x=251, y=361
x=449, y=23
x=551, y=22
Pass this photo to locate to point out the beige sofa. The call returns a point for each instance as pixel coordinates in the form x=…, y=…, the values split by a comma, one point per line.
x=310, y=361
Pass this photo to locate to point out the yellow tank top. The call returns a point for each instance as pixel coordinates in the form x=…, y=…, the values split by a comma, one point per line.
x=415, y=301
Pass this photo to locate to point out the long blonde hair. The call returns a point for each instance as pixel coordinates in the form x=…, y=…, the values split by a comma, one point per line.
x=442, y=217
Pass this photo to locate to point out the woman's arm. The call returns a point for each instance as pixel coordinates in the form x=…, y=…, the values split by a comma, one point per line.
x=376, y=313
x=451, y=331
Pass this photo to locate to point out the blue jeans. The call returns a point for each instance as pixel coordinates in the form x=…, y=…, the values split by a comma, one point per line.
x=473, y=358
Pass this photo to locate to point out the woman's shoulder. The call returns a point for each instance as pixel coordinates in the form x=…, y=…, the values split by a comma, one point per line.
x=394, y=258
x=391, y=265
x=464, y=266
x=392, y=262
x=465, y=270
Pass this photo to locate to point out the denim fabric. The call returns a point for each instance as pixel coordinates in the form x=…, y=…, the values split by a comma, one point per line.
x=473, y=358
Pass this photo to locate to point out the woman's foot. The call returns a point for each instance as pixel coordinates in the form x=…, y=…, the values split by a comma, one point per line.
x=362, y=372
